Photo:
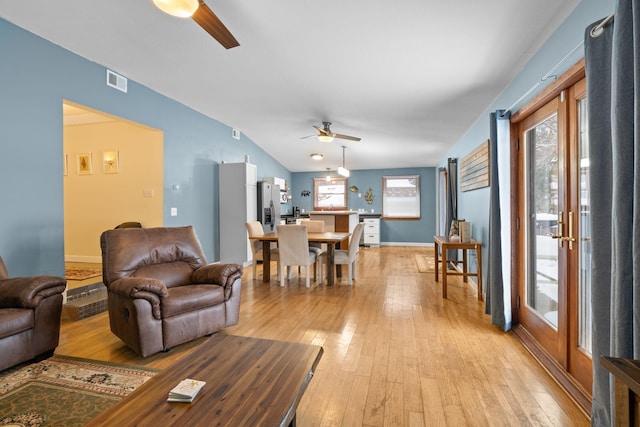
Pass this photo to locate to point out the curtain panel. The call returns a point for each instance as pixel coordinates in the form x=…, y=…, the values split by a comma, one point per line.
x=613, y=86
x=498, y=295
x=452, y=201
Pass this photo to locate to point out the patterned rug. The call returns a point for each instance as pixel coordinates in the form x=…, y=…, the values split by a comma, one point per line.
x=81, y=273
x=425, y=262
x=64, y=391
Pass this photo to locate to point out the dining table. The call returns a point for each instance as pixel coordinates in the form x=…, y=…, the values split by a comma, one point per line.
x=331, y=238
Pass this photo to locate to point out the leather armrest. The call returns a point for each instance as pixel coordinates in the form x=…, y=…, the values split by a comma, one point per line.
x=151, y=290
x=137, y=287
x=28, y=292
x=218, y=274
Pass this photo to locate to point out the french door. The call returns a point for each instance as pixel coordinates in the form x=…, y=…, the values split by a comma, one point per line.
x=553, y=232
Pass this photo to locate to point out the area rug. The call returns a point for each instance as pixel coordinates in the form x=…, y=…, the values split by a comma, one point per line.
x=425, y=263
x=81, y=273
x=64, y=391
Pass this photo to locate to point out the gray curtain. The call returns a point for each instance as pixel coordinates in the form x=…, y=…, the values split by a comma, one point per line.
x=613, y=85
x=452, y=200
x=498, y=296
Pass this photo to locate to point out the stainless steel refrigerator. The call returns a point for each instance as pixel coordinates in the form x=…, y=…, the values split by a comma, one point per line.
x=268, y=205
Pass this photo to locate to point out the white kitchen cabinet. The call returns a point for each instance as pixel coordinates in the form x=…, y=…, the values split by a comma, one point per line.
x=238, y=205
x=372, y=231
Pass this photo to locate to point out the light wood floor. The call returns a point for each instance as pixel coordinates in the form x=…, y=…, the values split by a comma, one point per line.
x=396, y=354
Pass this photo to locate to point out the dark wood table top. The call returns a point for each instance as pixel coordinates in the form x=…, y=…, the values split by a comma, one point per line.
x=250, y=382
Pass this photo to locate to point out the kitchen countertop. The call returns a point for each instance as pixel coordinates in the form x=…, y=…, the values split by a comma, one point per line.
x=332, y=212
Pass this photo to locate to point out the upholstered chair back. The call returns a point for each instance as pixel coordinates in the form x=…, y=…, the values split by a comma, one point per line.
x=169, y=254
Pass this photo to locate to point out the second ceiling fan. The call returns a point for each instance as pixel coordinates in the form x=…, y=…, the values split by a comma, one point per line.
x=326, y=135
x=203, y=15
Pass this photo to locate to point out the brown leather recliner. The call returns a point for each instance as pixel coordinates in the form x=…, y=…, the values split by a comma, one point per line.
x=30, y=309
x=161, y=291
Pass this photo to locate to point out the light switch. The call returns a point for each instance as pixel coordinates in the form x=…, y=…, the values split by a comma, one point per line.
x=147, y=193
x=174, y=211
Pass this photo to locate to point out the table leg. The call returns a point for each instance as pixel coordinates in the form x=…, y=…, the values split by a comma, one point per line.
x=339, y=266
x=464, y=265
x=330, y=264
x=436, y=256
x=479, y=270
x=266, y=261
x=444, y=271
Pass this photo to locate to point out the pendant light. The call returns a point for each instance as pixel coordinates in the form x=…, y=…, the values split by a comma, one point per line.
x=342, y=170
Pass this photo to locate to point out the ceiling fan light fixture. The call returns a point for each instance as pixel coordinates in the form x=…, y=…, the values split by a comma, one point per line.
x=179, y=8
x=325, y=138
x=317, y=156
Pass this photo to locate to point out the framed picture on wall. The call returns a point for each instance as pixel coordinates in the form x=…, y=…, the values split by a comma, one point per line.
x=84, y=164
x=110, y=161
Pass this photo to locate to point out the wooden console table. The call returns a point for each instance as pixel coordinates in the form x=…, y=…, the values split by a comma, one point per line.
x=446, y=243
x=626, y=374
x=249, y=382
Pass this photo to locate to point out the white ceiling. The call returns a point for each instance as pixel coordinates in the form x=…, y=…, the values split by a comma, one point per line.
x=409, y=77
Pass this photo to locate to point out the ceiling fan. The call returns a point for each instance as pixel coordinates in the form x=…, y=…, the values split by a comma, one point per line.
x=326, y=135
x=203, y=15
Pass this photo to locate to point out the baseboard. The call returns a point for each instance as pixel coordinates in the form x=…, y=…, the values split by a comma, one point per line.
x=83, y=258
x=573, y=389
x=415, y=244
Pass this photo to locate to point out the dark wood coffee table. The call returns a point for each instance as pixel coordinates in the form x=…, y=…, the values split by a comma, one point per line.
x=250, y=382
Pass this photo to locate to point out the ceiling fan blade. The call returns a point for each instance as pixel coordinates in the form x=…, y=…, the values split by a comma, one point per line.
x=212, y=25
x=321, y=131
x=350, y=138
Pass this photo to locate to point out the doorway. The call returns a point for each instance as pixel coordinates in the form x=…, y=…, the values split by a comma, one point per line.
x=553, y=216
x=113, y=173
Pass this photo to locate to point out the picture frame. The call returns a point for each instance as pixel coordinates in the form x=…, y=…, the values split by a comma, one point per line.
x=110, y=162
x=85, y=166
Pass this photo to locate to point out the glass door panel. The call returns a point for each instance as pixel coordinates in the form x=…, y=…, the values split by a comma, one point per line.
x=584, y=234
x=543, y=213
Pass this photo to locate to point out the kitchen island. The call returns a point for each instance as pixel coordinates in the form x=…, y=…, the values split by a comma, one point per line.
x=337, y=221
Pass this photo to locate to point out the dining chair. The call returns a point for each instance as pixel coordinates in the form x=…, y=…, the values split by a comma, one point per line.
x=348, y=256
x=293, y=248
x=254, y=228
x=315, y=226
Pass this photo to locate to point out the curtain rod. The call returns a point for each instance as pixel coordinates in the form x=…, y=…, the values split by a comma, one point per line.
x=599, y=29
x=595, y=32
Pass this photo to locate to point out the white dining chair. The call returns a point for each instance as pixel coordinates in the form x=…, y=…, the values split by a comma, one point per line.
x=255, y=229
x=349, y=256
x=315, y=226
x=293, y=247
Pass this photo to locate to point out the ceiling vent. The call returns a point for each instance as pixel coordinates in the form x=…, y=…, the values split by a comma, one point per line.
x=116, y=81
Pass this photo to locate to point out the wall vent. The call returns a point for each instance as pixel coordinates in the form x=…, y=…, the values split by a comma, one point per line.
x=235, y=133
x=116, y=81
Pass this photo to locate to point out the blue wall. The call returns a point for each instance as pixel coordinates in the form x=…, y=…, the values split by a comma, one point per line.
x=474, y=205
x=35, y=77
x=396, y=231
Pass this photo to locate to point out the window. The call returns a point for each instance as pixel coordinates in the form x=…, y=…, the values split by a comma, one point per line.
x=330, y=195
x=401, y=197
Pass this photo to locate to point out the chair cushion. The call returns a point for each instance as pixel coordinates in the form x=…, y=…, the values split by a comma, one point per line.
x=182, y=299
x=171, y=273
x=15, y=320
x=316, y=250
